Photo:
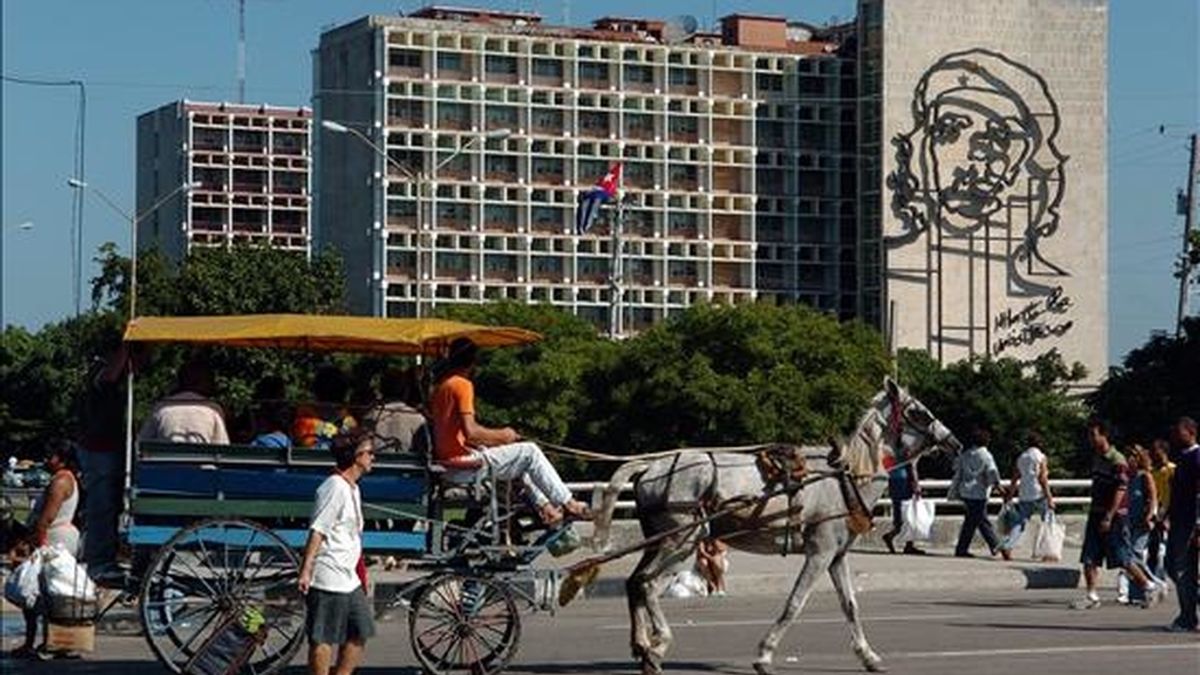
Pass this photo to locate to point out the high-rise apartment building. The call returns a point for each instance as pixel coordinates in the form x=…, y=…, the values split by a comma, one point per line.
x=737, y=150
x=250, y=165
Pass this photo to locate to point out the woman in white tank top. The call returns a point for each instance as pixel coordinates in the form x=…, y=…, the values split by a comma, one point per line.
x=54, y=512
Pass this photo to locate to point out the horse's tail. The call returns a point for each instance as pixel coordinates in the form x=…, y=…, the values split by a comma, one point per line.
x=604, y=500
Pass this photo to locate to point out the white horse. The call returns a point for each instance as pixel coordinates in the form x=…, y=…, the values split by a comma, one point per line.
x=816, y=520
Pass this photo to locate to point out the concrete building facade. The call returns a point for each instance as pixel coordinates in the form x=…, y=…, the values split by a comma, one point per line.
x=737, y=151
x=984, y=179
x=251, y=166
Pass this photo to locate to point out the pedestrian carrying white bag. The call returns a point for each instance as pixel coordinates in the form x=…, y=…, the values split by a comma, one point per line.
x=1048, y=546
x=23, y=586
x=917, y=516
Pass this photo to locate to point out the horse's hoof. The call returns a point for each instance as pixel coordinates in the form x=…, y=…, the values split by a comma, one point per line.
x=875, y=667
x=651, y=667
x=761, y=668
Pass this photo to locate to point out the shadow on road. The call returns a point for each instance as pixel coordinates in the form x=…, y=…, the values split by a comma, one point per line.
x=1065, y=627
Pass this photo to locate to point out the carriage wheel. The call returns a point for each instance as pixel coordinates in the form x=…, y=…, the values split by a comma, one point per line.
x=211, y=571
x=464, y=624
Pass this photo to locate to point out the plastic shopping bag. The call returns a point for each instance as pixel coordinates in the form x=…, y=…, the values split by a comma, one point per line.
x=1048, y=546
x=917, y=516
x=1008, y=519
x=64, y=577
x=23, y=586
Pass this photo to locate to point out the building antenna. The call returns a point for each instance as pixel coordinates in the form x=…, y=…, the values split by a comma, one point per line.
x=241, y=54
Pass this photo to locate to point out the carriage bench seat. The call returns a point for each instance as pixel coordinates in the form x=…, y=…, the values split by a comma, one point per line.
x=459, y=481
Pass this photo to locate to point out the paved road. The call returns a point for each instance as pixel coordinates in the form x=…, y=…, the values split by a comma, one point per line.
x=982, y=633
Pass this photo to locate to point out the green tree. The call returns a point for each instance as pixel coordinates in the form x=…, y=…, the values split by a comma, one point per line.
x=1010, y=397
x=717, y=375
x=1155, y=384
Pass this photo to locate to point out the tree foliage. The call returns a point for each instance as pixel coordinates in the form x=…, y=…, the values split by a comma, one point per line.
x=1155, y=384
x=1010, y=397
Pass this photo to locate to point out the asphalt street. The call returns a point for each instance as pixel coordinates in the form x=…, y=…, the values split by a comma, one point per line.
x=977, y=632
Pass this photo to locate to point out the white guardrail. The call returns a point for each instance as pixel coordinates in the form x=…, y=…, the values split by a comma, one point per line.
x=1069, y=492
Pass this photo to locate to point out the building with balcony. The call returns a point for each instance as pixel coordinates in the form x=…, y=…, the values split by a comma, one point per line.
x=250, y=165
x=737, y=151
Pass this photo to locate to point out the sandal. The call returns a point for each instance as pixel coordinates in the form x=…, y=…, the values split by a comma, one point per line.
x=550, y=514
x=577, y=510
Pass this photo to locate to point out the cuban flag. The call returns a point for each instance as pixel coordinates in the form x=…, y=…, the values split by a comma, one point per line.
x=604, y=190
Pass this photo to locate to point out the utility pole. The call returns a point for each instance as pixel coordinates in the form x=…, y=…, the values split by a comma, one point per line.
x=241, y=55
x=1189, y=221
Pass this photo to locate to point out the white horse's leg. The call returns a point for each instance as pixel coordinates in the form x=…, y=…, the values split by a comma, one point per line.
x=635, y=596
x=839, y=572
x=816, y=561
x=674, y=558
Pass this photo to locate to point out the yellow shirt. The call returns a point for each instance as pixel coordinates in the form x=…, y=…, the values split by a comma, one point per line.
x=1162, y=485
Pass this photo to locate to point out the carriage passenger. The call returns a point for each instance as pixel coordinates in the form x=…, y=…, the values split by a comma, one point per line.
x=188, y=415
x=396, y=420
x=318, y=423
x=458, y=436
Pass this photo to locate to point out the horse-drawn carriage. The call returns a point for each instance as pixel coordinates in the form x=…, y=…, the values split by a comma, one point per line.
x=221, y=525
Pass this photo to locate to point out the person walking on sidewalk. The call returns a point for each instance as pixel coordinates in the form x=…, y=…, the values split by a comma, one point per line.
x=1106, y=534
x=1163, y=471
x=1143, y=503
x=332, y=574
x=975, y=477
x=1031, y=485
x=1184, y=533
x=903, y=484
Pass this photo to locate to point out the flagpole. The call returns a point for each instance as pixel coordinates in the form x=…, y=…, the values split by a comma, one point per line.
x=616, y=319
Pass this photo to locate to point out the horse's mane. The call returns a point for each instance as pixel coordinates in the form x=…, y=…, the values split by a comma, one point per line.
x=860, y=449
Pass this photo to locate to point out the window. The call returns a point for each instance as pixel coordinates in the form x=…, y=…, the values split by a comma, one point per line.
x=501, y=65
x=547, y=266
x=639, y=124
x=449, y=61
x=547, y=68
x=404, y=58
x=593, y=71
x=547, y=120
x=593, y=121
x=769, y=82
x=593, y=267
x=639, y=74
x=682, y=222
x=547, y=169
x=682, y=269
x=501, y=116
x=684, y=175
x=684, y=126
x=407, y=110
x=685, y=77
x=455, y=115
x=545, y=215
x=500, y=164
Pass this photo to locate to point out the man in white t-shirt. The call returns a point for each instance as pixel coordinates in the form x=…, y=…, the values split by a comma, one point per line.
x=338, y=610
x=188, y=415
x=1031, y=484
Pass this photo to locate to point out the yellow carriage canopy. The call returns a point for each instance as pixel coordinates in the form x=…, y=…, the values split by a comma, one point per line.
x=323, y=333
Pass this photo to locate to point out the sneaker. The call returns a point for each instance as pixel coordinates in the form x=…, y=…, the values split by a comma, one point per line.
x=1122, y=599
x=1152, y=596
x=1087, y=602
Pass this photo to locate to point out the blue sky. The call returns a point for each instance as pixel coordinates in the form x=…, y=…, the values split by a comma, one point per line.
x=135, y=55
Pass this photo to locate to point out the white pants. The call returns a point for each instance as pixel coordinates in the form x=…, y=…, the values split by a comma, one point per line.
x=526, y=462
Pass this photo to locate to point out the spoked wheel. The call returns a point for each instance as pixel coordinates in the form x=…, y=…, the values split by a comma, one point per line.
x=215, y=570
x=464, y=624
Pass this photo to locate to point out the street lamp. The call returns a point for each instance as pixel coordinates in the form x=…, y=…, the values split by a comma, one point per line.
x=133, y=219
x=420, y=179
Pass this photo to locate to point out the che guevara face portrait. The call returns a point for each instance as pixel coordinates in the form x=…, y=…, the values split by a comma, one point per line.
x=976, y=149
x=981, y=155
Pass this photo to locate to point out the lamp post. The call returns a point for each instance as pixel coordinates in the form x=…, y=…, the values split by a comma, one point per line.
x=134, y=219
x=420, y=179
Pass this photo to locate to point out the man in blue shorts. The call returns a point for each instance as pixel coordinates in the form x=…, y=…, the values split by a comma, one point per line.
x=1106, y=536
